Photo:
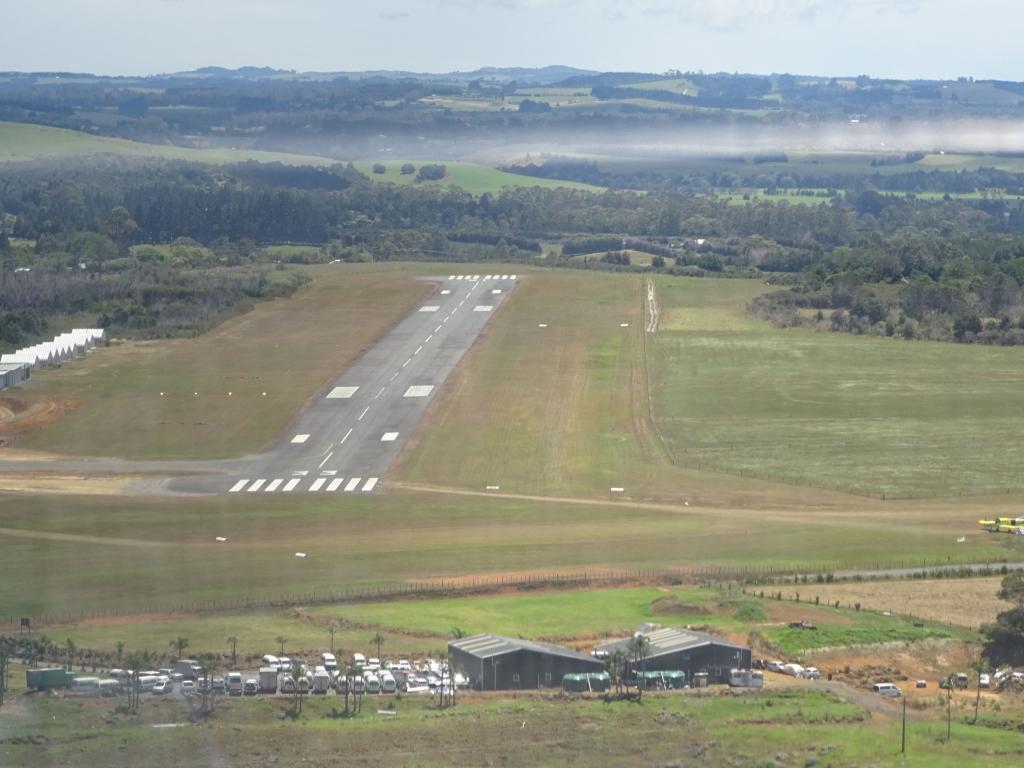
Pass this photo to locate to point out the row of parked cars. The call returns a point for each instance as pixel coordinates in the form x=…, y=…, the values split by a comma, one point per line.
x=791, y=669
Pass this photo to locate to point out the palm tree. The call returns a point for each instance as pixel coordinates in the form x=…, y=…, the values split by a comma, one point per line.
x=378, y=640
x=298, y=691
x=234, y=647
x=70, y=645
x=120, y=652
x=639, y=648
x=209, y=663
x=281, y=640
x=179, y=644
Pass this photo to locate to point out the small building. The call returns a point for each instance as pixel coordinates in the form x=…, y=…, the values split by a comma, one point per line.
x=12, y=374
x=671, y=649
x=495, y=663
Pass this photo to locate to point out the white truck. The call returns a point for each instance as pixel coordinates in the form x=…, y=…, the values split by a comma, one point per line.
x=189, y=669
x=387, y=683
x=330, y=663
x=321, y=681
x=234, y=683
x=268, y=679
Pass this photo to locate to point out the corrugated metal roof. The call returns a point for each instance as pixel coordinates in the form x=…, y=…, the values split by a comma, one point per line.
x=488, y=646
x=669, y=640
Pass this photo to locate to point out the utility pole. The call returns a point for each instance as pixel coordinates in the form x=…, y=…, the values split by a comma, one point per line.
x=903, y=735
x=949, y=709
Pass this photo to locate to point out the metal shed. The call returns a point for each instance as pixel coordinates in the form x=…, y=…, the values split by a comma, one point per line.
x=495, y=663
x=12, y=374
x=684, y=650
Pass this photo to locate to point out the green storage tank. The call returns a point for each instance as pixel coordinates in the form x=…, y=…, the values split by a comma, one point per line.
x=48, y=678
x=668, y=679
x=586, y=682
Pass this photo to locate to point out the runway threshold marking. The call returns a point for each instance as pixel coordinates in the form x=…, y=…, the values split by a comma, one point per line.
x=419, y=390
x=290, y=485
x=389, y=437
x=317, y=484
x=370, y=484
x=333, y=485
x=430, y=308
x=342, y=393
x=238, y=486
x=437, y=329
x=353, y=484
x=256, y=485
x=273, y=485
x=299, y=439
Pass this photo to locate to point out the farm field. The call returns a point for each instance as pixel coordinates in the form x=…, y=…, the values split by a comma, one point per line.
x=470, y=177
x=532, y=729
x=26, y=141
x=285, y=348
x=871, y=416
x=970, y=602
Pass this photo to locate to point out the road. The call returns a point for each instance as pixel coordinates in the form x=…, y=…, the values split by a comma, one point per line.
x=346, y=439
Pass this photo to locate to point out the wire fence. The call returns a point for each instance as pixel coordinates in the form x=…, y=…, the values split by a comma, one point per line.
x=459, y=586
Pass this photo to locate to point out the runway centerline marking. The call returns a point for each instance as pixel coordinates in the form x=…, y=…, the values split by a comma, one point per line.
x=346, y=436
x=326, y=459
x=381, y=392
x=393, y=377
x=299, y=439
x=427, y=340
x=363, y=413
x=418, y=350
x=341, y=393
x=407, y=362
x=389, y=437
x=437, y=329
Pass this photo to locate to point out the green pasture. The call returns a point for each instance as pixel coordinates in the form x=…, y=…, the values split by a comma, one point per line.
x=470, y=177
x=868, y=415
x=26, y=141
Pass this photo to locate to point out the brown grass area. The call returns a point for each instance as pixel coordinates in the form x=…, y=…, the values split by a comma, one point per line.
x=225, y=393
x=61, y=483
x=969, y=602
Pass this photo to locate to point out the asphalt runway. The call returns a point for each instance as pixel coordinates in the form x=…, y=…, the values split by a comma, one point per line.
x=346, y=439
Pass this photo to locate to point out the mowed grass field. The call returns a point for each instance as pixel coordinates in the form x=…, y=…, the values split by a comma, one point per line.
x=25, y=141
x=470, y=177
x=872, y=416
x=286, y=348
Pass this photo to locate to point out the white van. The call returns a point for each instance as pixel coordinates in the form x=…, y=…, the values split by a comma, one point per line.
x=358, y=659
x=270, y=660
x=887, y=689
x=793, y=670
x=234, y=683
x=387, y=683
x=110, y=687
x=329, y=662
x=86, y=686
x=372, y=682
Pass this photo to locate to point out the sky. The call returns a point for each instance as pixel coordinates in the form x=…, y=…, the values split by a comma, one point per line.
x=881, y=38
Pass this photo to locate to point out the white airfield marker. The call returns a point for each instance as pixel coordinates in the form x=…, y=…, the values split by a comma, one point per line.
x=300, y=554
x=617, y=490
x=300, y=473
x=430, y=308
x=318, y=484
x=496, y=290
x=333, y=485
x=493, y=487
x=542, y=325
x=370, y=484
x=273, y=486
x=353, y=484
x=445, y=292
x=290, y=485
x=419, y=390
x=482, y=308
x=342, y=393
x=238, y=486
x=623, y=325
x=256, y=485
x=329, y=472
x=221, y=539
x=389, y=437
x=299, y=439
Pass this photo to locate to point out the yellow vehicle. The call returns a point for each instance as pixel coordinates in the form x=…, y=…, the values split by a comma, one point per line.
x=1013, y=525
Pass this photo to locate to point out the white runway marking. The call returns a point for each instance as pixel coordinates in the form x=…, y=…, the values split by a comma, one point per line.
x=326, y=459
x=345, y=437
x=437, y=329
x=487, y=277
x=504, y=277
x=511, y=277
x=407, y=362
x=333, y=485
x=476, y=277
x=300, y=472
x=496, y=290
x=430, y=308
x=623, y=325
x=393, y=377
x=256, y=485
x=369, y=486
x=352, y=484
x=318, y=484
x=482, y=308
x=427, y=340
x=290, y=485
x=363, y=413
x=445, y=292
x=238, y=486
x=617, y=490
x=451, y=277
x=329, y=472
x=300, y=438
x=542, y=325
x=460, y=277
x=389, y=437
x=418, y=350
x=493, y=487
x=381, y=392
x=342, y=393
x=273, y=486
x=419, y=390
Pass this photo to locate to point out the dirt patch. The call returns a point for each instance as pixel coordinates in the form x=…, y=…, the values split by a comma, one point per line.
x=17, y=415
x=671, y=605
x=77, y=484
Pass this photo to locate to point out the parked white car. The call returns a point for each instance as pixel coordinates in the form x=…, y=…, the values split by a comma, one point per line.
x=887, y=689
x=985, y=681
x=812, y=673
